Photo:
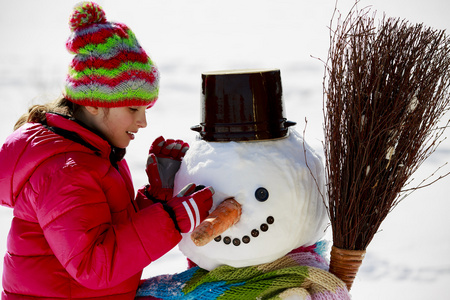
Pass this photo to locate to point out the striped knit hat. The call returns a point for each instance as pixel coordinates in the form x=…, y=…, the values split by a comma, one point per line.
x=110, y=69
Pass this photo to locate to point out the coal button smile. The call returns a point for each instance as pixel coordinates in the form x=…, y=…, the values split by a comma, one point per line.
x=246, y=239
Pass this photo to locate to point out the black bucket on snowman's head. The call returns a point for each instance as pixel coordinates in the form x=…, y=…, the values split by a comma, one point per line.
x=242, y=105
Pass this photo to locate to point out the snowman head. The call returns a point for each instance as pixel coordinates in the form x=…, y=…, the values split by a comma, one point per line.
x=279, y=190
x=247, y=151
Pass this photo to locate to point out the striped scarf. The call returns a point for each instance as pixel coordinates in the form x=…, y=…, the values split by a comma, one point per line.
x=301, y=274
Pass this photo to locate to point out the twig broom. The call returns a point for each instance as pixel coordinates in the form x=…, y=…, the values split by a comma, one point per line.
x=386, y=89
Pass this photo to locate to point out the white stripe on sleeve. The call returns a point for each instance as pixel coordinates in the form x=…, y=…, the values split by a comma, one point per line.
x=197, y=213
x=191, y=217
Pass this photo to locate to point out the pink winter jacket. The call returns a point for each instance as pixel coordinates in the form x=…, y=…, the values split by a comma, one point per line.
x=76, y=231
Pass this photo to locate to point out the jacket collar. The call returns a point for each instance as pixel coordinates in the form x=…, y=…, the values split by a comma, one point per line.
x=89, y=137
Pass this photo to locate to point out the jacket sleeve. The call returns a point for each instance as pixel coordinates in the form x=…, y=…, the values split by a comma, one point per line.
x=75, y=216
x=142, y=199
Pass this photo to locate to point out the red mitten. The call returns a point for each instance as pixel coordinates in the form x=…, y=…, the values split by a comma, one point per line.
x=163, y=162
x=173, y=149
x=191, y=209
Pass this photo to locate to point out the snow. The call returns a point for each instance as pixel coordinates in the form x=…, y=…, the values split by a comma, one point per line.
x=408, y=258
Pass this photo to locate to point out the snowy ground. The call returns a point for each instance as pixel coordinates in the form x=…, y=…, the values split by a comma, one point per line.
x=408, y=259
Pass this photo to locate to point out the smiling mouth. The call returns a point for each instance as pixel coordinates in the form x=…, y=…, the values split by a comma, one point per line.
x=246, y=238
x=131, y=134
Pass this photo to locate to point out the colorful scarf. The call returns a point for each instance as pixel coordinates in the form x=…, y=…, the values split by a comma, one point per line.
x=301, y=274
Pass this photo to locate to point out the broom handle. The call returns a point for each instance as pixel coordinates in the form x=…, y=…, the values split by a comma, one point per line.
x=344, y=264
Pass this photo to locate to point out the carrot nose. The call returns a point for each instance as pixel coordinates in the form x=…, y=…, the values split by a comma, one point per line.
x=220, y=219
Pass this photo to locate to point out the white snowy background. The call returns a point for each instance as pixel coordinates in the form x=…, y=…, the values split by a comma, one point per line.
x=408, y=259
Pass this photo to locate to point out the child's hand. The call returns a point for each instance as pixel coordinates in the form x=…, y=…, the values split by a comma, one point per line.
x=172, y=149
x=191, y=209
x=163, y=162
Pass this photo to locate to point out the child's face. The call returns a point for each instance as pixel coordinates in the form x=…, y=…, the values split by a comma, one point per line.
x=120, y=124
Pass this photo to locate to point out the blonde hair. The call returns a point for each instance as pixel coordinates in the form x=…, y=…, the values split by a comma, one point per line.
x=36, y=113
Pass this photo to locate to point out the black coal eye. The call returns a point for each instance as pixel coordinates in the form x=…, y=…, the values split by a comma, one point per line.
x=261, y=194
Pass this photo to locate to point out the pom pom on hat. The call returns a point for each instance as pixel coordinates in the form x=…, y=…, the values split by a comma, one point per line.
x=110, y=68
x=85, y=14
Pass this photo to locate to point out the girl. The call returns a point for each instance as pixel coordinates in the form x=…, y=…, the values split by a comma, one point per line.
x=78, y=231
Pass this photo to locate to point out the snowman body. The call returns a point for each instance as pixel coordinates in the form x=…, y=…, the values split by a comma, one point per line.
x=279, y=184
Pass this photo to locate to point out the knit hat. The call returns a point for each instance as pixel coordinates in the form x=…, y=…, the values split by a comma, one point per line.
x=110, y=69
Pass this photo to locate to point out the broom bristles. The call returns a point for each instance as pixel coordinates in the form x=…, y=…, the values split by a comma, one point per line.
x=386, y=88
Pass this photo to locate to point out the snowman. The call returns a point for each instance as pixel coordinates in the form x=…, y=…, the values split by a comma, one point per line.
x=250, y=154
